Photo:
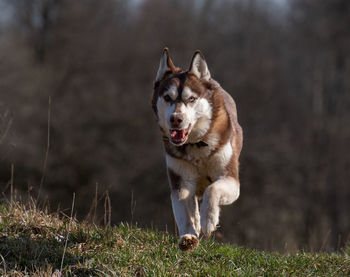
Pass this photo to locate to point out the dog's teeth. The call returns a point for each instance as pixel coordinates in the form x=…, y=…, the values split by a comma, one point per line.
x=182, y=133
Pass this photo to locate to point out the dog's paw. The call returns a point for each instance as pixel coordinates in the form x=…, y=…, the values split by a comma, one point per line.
x=188, y=242
x=208, y=226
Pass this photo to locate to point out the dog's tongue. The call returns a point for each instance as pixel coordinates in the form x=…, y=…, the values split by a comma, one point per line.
x=177, y=134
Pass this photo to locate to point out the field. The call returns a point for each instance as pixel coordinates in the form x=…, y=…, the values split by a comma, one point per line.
x=33, y=242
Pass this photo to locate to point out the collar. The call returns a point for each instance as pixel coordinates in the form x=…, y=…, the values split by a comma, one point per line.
x=198, y=144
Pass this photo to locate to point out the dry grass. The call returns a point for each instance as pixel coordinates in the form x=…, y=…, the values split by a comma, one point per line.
x=32, y=242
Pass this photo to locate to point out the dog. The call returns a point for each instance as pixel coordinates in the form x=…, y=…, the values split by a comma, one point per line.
x=202, y=140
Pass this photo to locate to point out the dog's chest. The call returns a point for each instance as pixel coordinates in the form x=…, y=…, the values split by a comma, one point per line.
x=205, y=162
x=198, y=156
x=210, y=164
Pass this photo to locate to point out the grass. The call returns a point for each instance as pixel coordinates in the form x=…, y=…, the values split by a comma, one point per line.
x=32, y=242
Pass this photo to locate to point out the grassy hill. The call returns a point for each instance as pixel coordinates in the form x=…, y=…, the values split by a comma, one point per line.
x=32, y=242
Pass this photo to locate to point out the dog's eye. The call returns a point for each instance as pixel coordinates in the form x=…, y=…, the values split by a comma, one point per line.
x=191, y=99
x=167, y=98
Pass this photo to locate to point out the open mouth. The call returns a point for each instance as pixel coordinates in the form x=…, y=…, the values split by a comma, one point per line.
x=179, y=136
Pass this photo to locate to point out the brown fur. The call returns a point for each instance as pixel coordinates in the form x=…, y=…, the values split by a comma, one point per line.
x=174, y=180
x=188, y=244
x=201, y=185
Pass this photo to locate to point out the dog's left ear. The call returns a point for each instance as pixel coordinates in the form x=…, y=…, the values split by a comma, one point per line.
x=199, y=66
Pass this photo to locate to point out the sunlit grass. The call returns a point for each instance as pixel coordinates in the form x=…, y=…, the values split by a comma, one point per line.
x=32, y=243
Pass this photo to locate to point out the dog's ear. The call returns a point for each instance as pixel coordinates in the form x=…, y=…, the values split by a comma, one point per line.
x=165, y=65
x=199, y=67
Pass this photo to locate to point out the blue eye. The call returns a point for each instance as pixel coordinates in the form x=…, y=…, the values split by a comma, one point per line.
x=191, y=99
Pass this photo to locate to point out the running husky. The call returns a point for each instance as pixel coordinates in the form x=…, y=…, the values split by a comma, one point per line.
x=202, y=140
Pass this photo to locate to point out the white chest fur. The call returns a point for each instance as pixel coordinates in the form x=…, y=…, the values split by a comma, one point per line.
x=198, y=162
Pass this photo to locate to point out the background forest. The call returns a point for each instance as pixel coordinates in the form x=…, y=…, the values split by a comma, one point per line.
x=86, y=69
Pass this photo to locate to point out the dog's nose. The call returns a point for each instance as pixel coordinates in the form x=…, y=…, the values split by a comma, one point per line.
x=176, y=119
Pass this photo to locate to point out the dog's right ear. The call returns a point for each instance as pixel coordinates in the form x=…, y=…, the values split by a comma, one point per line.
x=165, y=65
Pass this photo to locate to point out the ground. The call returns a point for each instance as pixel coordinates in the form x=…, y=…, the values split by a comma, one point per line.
x=33, y=242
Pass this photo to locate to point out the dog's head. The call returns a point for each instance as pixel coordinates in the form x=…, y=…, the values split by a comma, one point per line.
x=182, y=99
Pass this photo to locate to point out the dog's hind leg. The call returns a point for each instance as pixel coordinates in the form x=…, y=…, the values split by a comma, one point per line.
x=222, y=192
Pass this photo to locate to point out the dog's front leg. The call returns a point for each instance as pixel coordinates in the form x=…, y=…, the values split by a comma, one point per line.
x=186, y=212
x=222, y=192
x=184, y=202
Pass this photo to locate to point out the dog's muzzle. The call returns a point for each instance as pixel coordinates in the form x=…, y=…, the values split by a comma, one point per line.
x=179, y=136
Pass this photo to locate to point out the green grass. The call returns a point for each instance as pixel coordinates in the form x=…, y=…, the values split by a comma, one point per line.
x=32, y=243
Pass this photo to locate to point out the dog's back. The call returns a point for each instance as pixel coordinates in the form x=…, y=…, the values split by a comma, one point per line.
x=237, y=137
